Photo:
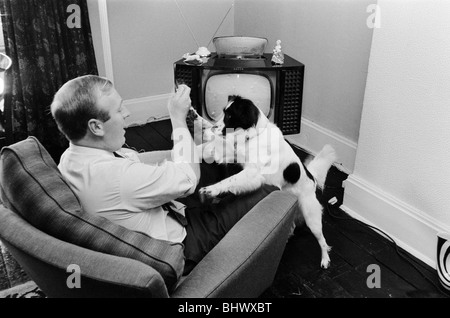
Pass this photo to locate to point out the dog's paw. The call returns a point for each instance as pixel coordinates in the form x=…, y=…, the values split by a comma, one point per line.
x=325, y=263
x=208, y=193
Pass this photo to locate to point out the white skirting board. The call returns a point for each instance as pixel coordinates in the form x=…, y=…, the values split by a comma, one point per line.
x=410, y=228
x=313, y=137
x=146, y=109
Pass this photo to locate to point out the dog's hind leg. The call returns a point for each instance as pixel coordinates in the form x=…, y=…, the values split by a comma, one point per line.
x=312, y=212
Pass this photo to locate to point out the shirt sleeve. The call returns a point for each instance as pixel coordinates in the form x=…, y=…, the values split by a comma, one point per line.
x=145, y=186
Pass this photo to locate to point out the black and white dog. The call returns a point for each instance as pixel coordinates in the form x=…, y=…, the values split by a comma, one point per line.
x=245, y=136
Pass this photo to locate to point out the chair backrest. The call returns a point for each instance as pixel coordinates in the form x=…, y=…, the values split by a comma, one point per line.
x=61, y=269
x=33, y=187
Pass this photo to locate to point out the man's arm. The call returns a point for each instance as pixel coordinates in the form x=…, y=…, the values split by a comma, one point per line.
x=184, y=149
x=155, y=156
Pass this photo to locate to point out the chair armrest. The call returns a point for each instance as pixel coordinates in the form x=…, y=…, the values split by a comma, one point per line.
x=46, y=259
x=244, y=262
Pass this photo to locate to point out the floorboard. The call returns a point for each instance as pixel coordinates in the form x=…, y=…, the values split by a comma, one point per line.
x=153, y=137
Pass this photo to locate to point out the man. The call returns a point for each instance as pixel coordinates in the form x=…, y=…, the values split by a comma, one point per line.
x=136, y=190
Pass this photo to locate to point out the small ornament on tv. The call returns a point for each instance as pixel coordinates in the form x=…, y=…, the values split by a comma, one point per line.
x=278, y=55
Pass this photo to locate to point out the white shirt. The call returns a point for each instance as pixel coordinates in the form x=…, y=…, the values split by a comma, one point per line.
x=127, y=191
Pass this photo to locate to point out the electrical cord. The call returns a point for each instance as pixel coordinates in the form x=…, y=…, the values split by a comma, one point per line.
x=405, y=257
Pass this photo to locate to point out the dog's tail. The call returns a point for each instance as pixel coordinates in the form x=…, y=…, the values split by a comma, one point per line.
x=320, y=165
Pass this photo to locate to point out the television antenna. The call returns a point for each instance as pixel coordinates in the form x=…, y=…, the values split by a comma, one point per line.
x=202, y=50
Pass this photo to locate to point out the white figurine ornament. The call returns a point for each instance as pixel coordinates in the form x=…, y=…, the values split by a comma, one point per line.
x=278, y=55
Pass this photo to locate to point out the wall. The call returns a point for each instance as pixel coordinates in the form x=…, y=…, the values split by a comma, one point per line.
x=137, y=41
x=332, y=39
x=143, y=40
x=402, y=172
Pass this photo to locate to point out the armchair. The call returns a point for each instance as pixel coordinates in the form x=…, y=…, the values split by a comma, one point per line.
x=242, y=264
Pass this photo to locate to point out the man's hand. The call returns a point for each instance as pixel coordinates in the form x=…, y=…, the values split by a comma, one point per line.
x=180, y=103
x=184, y=149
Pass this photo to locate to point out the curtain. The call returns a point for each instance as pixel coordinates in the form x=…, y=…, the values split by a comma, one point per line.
x=49, y=42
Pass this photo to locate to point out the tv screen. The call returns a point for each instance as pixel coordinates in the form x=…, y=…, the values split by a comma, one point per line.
x=256, y=87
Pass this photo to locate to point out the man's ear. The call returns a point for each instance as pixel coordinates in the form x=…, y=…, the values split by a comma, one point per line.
x=96, y=127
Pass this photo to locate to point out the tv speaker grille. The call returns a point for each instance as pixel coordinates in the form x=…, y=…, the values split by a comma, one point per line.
x=183, y=76
x=291, y=101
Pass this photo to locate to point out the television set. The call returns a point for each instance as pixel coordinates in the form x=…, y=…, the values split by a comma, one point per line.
x=276, y=89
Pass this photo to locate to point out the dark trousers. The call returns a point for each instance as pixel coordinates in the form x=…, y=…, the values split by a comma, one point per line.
x=209, y=222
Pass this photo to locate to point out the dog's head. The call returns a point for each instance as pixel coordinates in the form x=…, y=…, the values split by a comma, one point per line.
x=240, y=113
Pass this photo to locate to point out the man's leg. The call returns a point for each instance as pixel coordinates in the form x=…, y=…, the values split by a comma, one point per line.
x=208, y=223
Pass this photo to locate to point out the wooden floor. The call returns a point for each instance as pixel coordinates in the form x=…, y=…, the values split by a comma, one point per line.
x=355, y=247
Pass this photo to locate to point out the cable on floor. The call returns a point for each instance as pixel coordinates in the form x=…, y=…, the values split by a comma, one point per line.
x=330, y=204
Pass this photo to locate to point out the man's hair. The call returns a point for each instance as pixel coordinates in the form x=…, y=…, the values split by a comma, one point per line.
x=75, y=103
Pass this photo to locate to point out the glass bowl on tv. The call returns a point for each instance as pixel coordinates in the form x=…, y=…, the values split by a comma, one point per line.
x=240, y=46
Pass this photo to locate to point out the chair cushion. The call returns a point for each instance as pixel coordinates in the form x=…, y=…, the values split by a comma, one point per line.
x=32, y=186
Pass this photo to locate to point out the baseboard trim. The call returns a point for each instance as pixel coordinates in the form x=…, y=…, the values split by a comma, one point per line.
x=146, y=109
x=411, y=229
x=313, y=137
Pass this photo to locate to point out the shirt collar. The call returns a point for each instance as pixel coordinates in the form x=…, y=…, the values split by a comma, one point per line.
x=89, y=150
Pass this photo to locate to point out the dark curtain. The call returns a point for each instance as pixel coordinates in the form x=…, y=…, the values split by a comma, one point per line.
x=47, y=48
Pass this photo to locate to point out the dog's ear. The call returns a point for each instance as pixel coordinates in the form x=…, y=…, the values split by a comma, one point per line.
x=232, y=98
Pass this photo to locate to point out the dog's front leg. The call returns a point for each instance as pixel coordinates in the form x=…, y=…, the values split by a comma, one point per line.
x=245, y=181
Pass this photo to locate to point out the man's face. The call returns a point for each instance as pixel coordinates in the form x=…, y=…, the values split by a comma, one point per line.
x=114, y=132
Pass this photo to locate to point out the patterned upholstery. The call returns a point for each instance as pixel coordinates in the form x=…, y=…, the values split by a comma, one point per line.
x=32, y=186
